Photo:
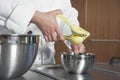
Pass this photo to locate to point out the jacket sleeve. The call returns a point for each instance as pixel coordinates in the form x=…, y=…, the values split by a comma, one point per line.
x=70, y=12
x=17, y=17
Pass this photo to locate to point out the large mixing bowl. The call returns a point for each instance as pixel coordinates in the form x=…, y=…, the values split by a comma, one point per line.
x=77, y=63
x=17, y=54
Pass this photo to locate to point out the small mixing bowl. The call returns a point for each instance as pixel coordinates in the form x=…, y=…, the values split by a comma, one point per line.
x=17, y=54
x=77, y=63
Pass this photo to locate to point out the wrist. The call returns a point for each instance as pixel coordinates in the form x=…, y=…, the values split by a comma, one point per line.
x=36, y=16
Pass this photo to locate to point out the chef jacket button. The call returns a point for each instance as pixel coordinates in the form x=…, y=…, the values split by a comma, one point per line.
x=29, y=32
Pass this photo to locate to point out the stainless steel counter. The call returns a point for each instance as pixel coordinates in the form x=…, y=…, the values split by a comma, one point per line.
x=56, y=72
x=30, y=75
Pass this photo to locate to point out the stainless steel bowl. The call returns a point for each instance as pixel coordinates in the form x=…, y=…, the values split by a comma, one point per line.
x=77, y=63
x=17, y=54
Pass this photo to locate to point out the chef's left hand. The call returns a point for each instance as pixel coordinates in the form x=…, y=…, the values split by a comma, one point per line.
x=77, y=48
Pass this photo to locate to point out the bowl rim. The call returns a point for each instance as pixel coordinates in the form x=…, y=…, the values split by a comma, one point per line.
x=19, y=38
x=69, y=56
x=17, y=35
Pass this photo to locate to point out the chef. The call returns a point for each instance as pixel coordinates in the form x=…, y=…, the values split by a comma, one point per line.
x=39, y=17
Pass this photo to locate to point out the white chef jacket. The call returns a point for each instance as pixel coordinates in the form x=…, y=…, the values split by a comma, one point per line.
x=16, y=15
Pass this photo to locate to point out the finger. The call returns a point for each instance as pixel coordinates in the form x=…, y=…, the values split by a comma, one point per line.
x=69, y=50
x=46, y=38
x=50, y=38
x=75, y=48
x=81, y=48
x=59, y=34
x=57, y=11
x=54, y=36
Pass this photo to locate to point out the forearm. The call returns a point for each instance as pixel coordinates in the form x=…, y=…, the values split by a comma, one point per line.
x=6, y=7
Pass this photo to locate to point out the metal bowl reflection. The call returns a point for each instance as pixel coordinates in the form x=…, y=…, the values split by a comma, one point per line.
x=17, y=53
x=77, y=63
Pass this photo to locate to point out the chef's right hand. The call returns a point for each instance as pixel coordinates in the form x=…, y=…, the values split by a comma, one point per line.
x=47, y=23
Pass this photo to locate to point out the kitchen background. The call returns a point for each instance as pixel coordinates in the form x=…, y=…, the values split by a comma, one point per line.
x=102, y=19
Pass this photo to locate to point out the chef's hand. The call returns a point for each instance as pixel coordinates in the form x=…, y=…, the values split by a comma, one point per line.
x=77, y=48
x=47, y=23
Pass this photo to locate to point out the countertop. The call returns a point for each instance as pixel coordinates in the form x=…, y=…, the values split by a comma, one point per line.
x=56, y=72
x=30, y=75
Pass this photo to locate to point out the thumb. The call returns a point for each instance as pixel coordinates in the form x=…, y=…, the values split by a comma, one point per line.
x=57, y=11
x=59, y=34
